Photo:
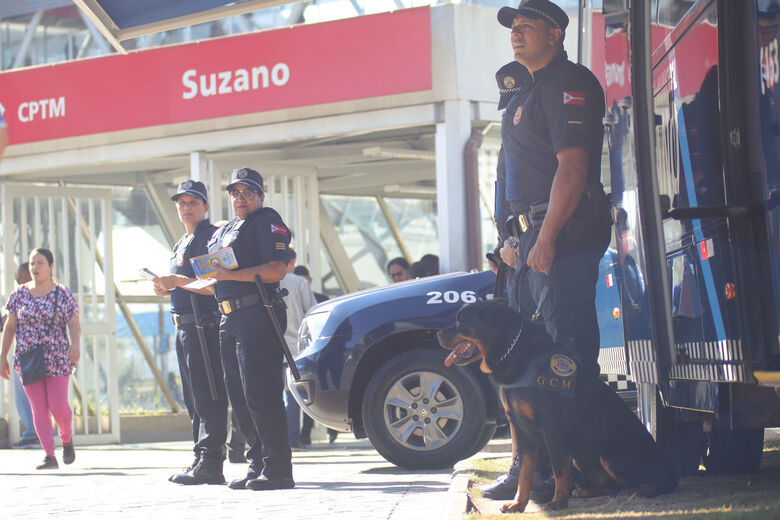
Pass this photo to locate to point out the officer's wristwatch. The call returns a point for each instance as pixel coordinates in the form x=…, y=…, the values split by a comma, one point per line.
x=512, y=242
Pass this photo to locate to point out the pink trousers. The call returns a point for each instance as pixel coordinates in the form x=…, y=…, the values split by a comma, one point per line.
x=50, y=394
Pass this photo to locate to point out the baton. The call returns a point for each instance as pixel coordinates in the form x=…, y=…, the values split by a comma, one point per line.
x=499, y=287
x=203, y=348
x=279, y=334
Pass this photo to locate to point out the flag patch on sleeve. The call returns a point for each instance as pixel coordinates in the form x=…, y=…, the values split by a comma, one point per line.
x=281, y=230
x=573, y=98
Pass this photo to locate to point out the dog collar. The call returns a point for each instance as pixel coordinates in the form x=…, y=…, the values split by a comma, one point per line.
x=512, y=346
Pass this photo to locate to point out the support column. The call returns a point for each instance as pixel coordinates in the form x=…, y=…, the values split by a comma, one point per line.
x=451, y=137
x=203, y=170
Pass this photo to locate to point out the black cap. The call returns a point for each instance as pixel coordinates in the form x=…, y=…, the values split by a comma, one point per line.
x=542, y=9
x=194, y=188
x=248, y=177
x=508, y=80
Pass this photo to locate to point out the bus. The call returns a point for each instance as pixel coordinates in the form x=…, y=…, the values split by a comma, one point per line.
x=692, y=134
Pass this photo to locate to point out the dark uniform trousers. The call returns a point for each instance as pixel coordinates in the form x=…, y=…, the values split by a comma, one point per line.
x=252, y=359
x=569, y=309
x=208, y=416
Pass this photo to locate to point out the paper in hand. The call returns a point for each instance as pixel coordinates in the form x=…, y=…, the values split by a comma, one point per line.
x=200, y=283
x=147, y=274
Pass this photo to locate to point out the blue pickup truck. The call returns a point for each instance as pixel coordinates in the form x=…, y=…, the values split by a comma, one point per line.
x=370, y=364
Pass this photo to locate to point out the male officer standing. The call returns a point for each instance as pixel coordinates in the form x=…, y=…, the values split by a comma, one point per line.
x=251, y=353
x=552, y=138
x=208, y=415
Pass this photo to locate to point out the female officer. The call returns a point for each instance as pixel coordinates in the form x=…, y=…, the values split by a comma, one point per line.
x=207, y=411
x=251, y=353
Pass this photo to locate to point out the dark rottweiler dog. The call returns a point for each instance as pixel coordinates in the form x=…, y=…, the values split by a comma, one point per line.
x=548, y=399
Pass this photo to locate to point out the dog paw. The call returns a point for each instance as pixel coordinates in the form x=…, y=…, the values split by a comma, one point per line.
x=514, y=507
x=556, y=505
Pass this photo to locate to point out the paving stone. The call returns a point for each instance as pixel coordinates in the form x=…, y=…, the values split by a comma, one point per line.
x=347, y=478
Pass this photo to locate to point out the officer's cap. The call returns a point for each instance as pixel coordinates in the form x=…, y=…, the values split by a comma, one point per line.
x=189, y=187
x=247, y=177
x=508, y=79
x=542, y=9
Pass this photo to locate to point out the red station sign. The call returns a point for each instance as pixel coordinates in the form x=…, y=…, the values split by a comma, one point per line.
x=356, y=58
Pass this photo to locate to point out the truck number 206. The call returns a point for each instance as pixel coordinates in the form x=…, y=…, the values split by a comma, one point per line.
x=451, y=297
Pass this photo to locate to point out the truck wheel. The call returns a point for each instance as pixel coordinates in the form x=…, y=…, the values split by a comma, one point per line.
x=419, y=414
x=734, y=452
x=683, y=441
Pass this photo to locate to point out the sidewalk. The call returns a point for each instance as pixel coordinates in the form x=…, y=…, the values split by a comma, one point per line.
x=347, y=479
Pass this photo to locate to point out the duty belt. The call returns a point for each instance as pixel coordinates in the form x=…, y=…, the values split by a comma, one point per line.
x=185, y=319
x=228, y=306
x=532, y=218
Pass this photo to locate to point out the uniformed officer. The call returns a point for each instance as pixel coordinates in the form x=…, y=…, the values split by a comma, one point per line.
x=552, y=139
x=208, y=415
x=251, y=352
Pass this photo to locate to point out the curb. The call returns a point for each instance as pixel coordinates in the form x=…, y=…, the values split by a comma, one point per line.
x=458, y=500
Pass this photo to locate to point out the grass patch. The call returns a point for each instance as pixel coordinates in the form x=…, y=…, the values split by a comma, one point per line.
x=750, y=497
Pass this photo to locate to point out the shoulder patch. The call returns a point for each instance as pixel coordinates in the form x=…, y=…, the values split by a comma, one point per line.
x=280, y=230
x=573, y=98
x=518, y=115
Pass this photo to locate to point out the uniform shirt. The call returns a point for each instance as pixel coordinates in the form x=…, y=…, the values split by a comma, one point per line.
x=187, y=247
x=561, y=106
x=300, y=298
x=259, y=239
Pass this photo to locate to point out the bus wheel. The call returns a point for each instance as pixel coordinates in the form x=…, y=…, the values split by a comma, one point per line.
x=734, y=452
x=684, y=441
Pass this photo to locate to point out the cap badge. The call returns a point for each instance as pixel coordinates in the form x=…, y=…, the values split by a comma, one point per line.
x=186, y=185
x=509, y=82
x=241, y=174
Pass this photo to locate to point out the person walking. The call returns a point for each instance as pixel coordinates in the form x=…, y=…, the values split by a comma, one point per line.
x=207, y=412
x=38, y=313
x=251, y=351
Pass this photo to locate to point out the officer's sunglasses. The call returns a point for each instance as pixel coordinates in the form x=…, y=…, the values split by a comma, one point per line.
x=246, y=194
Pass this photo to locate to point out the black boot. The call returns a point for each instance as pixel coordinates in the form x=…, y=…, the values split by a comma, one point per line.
x=188, y=468
x=505, y=486
x=208, y=471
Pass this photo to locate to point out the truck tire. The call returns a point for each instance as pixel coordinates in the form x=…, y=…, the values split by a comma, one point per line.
x=734, y=452
x=419, y=414
x=683, y=441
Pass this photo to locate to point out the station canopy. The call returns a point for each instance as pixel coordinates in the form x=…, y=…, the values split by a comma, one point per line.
x=120, y=20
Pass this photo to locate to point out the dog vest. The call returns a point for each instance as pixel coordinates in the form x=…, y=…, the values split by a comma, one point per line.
x=553, y=371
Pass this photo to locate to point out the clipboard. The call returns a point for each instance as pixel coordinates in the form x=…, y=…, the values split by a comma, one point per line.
x=204, y=265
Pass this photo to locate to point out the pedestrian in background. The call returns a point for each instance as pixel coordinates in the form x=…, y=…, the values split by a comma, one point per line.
x=398, y=269
x=29, y=438
x=299, y=299
x=38, y=313
x=308, y=422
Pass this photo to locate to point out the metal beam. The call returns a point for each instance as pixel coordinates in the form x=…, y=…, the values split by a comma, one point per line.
x=342, y=265
x=102, y=21
x=399, y=239
x=296, y=12
x=158, y=195
x=28, y=36
x=95, y=33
